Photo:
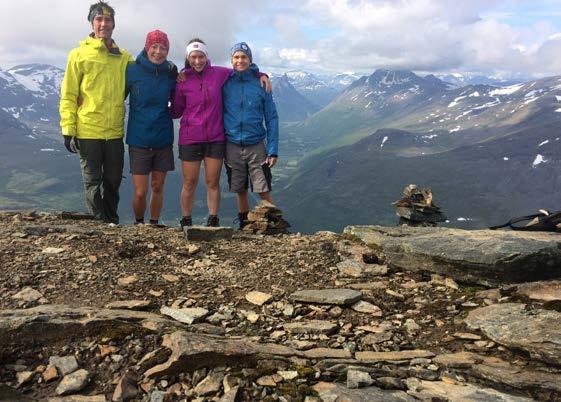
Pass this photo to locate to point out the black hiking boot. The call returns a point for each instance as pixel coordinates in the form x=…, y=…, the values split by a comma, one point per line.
x=242, y=219
x=213, y=221
x=186, y=221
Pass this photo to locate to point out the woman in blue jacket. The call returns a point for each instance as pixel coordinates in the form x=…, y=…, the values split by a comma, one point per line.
x=150, y=85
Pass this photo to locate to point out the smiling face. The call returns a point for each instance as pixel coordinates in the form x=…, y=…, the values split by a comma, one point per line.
x=157, y=53
x=197, y=60
x=102, y=27
x=240, y=61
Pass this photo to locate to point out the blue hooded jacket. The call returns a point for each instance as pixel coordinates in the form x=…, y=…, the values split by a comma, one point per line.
x=246, y=107
x=150, y=87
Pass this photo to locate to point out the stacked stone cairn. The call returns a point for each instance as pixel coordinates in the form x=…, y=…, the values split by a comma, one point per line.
x=267, y=219
x=416, y=208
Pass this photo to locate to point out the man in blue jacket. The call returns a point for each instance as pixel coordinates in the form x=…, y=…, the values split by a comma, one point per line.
x=252, y=131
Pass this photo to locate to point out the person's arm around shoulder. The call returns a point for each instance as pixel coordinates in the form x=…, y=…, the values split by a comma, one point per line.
x=178, y=101
x=272, y=125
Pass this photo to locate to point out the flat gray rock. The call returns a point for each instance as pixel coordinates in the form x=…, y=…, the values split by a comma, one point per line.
x=191, y=351
x=358, y=379
x=442, y=391
x=341, y=297
x=518, y=378
x=487, y=257
x=329, y=391
x=311, y=327
x=129, y=305
x=543, y=290
x=28, y=295
x=73, y=382
x=537, y=331
x=65, y=364
x=53, y=323
x=204, y=233
x=210, y=385
x=185, y=315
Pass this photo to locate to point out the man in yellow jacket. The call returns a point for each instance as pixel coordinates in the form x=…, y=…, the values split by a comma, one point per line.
x=92, y=112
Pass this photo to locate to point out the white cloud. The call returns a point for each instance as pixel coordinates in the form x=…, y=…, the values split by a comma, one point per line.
x=336, y=35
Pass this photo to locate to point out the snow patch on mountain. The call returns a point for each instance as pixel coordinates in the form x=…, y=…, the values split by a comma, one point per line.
x=506, y=90
x=538, y=160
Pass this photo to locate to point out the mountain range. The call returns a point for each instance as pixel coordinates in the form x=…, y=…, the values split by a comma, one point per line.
x=489, y=152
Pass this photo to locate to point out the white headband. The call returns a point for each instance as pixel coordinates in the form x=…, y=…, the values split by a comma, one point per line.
x=191, y=47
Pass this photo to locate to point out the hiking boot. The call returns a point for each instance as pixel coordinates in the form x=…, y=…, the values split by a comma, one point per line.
x=213, y=221
x=242, y=219
x=186, y=221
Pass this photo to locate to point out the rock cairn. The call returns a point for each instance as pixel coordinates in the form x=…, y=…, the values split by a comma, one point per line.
x=267, y=219
x=416, y=208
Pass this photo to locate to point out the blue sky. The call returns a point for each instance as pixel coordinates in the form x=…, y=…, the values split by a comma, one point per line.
x=493, y=37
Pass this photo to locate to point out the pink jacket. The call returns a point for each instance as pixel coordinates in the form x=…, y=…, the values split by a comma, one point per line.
x=198, y=101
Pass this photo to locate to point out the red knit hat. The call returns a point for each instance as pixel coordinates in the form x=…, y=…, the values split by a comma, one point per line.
x=156, y=36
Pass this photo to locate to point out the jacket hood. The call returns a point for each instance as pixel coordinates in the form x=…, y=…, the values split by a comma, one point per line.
x=142, y=59
x=99, y=44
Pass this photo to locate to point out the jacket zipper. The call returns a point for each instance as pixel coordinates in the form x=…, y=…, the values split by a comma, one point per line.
x=242, y=110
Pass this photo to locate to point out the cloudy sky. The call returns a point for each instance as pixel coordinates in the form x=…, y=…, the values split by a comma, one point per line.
x=494, y=37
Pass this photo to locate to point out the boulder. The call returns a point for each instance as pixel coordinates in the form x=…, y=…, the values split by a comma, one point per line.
x=485, y=257
x=535, y=331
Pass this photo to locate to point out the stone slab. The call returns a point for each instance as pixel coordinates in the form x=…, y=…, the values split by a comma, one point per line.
x=341, y=297
x=487, y=257
x=204, y=233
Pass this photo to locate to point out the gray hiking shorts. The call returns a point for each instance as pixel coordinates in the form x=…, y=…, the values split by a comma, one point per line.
x=145, y=160
x=247, y=161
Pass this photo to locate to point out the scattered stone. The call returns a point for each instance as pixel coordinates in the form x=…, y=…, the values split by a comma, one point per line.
x=170, y=278
x=24, y=377
x=392, y=356
x=311, y=327
x=73, y=382
x=127, y=280
x=79, y=398
x=126, y=388
x=230, y=395
x=204, y=233
x=28, y=295
x=258, y=298
x=50, y=374
x=329, y=391
x=130, y=305
x=327, y=353
x=65, y=365
x=368, y=285
x=457, y=360
x=266, y=381
x=358, y=379
x=185, y=315
x=53, y=250
x=210, y=385
x=342, y=297
x=288, y=375
x=368, y=308
x=518, y=378
x=467, y=336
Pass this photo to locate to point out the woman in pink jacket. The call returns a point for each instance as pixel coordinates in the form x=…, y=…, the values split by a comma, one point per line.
x=198, y=101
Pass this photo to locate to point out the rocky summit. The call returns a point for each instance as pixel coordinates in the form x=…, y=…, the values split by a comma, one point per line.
x=96, y=312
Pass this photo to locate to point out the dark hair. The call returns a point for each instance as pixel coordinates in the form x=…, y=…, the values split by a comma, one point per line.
x=187, y=65
x=99, y=6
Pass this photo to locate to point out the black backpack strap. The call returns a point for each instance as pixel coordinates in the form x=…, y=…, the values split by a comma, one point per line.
x=511, y=222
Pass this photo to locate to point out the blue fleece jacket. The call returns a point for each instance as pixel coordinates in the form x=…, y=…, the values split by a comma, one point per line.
x=246, y=107
x=150, y=87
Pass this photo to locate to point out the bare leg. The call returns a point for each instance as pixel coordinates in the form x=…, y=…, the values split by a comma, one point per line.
x=243, y=202
x=266, y=196
x=140, y=183
x=157, y=194
x=190, y=181
x=213, y=167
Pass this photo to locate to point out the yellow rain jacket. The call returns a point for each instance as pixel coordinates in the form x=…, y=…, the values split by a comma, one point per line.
x=92, y=101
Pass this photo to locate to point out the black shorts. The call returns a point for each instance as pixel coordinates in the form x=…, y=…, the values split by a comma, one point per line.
x=199, y=151
x=145, y=160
